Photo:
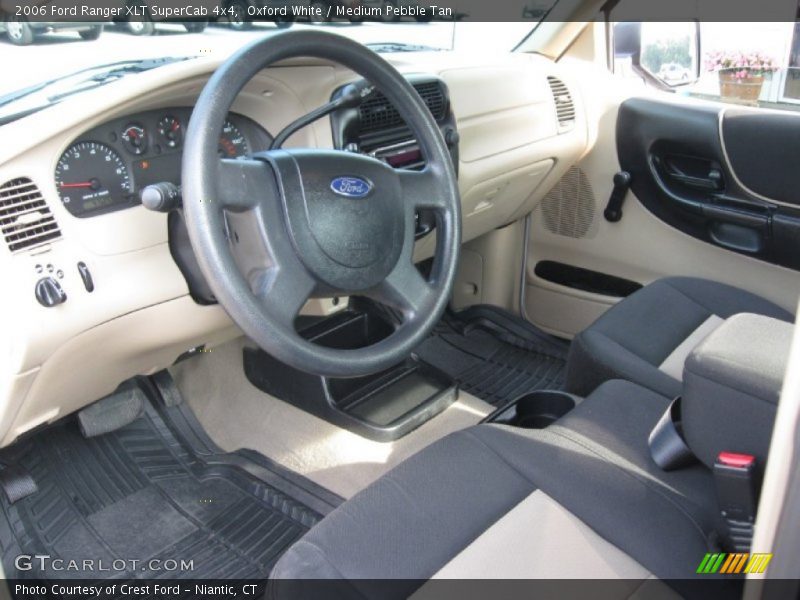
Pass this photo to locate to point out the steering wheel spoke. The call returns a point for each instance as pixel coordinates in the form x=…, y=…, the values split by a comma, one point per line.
x=422, y=189
x=243, y=183
x=283, y=291
x=406, y=290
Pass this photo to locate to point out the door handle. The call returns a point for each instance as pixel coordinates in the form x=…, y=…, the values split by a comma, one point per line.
x=745, y=218
x=706, y=175
x=711, y=183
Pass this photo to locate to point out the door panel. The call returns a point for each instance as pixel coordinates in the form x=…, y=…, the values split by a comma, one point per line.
x=689, y=164
x=762, y=149
x=676, y=220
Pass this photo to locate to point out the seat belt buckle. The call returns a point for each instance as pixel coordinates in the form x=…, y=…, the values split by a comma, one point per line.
x=735, y=482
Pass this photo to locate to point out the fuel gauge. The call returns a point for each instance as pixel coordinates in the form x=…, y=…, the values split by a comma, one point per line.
x=171, y=131
x=134, y=137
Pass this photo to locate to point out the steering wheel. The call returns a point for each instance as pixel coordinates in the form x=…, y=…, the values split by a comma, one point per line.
x=276, y=228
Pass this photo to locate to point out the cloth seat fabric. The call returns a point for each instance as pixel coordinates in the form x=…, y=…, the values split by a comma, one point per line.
x=646, y=337
x=594, y=463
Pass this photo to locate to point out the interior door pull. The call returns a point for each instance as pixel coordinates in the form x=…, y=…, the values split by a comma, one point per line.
x=622, y=183
x=712, y=182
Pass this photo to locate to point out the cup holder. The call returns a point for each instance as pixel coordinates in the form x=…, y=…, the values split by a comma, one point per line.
x=536, y=410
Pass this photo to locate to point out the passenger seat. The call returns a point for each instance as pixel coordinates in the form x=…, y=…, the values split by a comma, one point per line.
x=646, y=337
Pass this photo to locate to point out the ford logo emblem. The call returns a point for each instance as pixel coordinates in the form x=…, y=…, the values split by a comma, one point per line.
x=351, y=187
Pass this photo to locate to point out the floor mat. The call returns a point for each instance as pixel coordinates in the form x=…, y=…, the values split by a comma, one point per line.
x=495, y=355
x=145, y=493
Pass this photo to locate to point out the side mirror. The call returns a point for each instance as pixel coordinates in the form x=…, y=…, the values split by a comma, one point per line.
x=627, y=40
x=666, y=55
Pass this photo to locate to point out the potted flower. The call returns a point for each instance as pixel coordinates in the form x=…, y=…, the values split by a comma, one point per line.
x=741, y=74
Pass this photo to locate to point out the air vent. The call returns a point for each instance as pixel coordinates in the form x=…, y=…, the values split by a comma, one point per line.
x=377, y=113
x=25, y=218
x=569, y=208
x=565, y=107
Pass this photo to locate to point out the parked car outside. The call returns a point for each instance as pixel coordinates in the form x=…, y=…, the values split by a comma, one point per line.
x=141, y=22
x=671, y=72
x=21, y=32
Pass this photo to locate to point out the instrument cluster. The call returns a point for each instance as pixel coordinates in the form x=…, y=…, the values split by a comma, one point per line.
x=105, y=169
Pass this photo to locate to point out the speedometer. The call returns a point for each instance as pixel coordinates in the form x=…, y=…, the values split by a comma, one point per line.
x=91, y=178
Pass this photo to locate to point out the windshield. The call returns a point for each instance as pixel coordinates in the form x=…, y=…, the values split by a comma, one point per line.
x=84, y=46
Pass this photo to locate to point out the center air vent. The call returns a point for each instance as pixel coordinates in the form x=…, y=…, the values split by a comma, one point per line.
x=378, y=113
x=565, y=107
x=25, y=218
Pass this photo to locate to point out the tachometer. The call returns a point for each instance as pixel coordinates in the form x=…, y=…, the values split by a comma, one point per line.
x=91, y=178
x=232, y=144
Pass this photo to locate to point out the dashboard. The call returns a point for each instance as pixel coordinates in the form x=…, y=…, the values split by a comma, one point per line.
x=105, y=168
x=94, y=290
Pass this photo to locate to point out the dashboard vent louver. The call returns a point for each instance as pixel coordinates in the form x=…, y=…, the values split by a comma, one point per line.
x=377, y=113
x=565, y=107
x=25, y=218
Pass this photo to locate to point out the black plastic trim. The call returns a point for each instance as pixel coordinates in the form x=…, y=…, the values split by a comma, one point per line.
x=585, y=280
x=706, y=200
x=763, y=149
x=535, y=410
x=180, y=247
x=345, y=401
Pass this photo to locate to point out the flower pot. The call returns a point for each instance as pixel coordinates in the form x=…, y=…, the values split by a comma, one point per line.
x=746, y=88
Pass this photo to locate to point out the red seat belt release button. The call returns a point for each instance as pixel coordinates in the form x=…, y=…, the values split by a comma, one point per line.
x=736, y=485
x=731, y=459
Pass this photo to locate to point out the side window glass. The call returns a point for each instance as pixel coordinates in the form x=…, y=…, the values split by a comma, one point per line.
x=752, y=64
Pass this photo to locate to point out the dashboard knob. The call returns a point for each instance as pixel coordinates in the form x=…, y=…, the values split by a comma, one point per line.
x=49, y=292
x=161, y=197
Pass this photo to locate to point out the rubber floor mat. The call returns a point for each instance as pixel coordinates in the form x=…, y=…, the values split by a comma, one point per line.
x=495, y=355
x=141, y=494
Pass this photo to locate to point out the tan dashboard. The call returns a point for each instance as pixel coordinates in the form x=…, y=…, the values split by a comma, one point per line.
x=517, y=138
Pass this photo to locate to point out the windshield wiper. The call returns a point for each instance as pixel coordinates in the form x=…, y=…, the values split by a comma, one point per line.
x=100, y=75
x=388, y=47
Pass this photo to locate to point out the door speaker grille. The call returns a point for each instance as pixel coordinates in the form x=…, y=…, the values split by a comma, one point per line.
x=569, y=208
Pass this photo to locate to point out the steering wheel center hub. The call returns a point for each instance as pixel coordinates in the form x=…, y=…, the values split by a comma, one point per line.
x=345, y=213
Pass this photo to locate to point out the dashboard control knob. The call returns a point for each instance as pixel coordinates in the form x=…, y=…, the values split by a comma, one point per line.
x=49, y=292
x=352, y=147
x=161, y=197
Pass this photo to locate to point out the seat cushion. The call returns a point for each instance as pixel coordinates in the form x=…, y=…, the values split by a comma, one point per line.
x=417, y=519
x=646, y=337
